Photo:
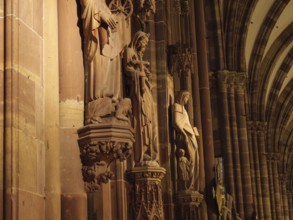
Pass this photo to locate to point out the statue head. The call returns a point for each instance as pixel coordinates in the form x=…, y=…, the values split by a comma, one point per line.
x=181, y=152
x=183, y=97
x=140, y=41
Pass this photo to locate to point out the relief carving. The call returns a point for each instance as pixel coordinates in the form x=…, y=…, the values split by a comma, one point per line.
x=185, y=140
x=96, y=156
x=138, y=77
x=143, y=9
x=146, y=193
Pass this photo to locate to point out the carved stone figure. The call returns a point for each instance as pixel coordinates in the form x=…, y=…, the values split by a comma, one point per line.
x=186, y=137
x=143, y=9
x=183, y=170
x=124, y=109
x=146, y=152
x=105, y=35
x=219, y=190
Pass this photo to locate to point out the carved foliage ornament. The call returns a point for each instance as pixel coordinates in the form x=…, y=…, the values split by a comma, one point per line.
x=96, y=158
x=182, y=63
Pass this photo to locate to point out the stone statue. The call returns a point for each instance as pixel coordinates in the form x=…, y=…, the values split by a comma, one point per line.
x=145, y=152
x=183, y=170
x=143, y=9
x=219, y=190
x=105, y=35
x=186, y=137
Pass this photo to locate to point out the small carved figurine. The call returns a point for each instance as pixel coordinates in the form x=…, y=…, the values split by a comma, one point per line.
x=183, y=170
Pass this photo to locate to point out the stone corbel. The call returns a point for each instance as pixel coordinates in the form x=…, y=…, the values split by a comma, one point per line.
x=107, y=137
x=181, y=63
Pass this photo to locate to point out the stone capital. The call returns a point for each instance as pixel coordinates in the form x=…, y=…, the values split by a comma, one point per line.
x=257, y=126
x=222, y=77
x=240, y=82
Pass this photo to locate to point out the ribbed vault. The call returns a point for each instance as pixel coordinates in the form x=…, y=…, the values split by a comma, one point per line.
x=270, y=80
x=255, y=37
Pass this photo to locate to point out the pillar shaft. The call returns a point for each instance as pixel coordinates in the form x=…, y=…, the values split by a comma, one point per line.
x=226, y=139
x=260, y=210
x=290, y=203
x=264, y=171
x=271, y=181
x=277, y=189
x=71, y=105
x=240, y=85
x=206, y=114
x=235, y=145
x=252, y=165
x=284, y=197
x=53, y=184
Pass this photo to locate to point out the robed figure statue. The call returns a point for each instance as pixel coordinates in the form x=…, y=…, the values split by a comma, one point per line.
x=136, y=69
x=106, y=35
x=186, y=141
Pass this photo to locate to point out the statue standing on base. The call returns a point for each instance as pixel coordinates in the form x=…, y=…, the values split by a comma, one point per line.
x=106, y=35
x=186, y=141
x=136, y=69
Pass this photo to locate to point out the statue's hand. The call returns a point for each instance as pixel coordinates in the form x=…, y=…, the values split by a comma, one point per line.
x=109, y=19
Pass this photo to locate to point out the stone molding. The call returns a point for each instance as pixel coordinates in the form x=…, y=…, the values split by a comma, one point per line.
x=230, y=80
x=273, y=156
x=257, y=126
x=146, y=193
x=188, y=204
x=100, y=145
x=240, y=82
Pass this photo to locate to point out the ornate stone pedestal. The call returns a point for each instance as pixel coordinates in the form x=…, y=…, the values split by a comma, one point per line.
x=188, y=203
x=146, y=194
x=101, y=144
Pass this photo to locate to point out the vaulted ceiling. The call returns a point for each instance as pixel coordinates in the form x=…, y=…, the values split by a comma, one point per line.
x=269, y=57
x=256, y=37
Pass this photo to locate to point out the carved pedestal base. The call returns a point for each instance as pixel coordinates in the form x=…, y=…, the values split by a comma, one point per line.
x=188, y=203
x=146, y=193
x=101, y=144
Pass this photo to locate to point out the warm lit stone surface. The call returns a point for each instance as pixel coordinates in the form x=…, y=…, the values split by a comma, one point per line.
x=31, y=205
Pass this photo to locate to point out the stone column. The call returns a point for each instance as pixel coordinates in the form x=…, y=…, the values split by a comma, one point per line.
x=250, y=128
x=206, y=114
x=235, y=144
x=51, y=70
x=146, y=193
x=262, y=126
x=240, y=89
x=23, y=140
x=290, y=203
x=283, y=180
x=2, y=33
x=71, y=105
x=258, y=186
x=271, y=181
x=226, y=140
x=276, y=180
